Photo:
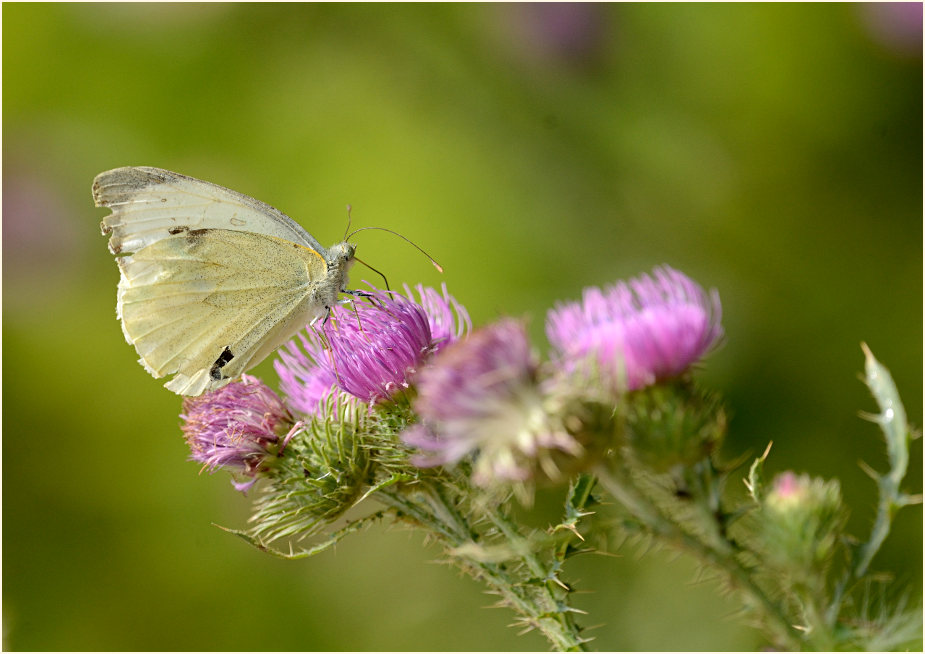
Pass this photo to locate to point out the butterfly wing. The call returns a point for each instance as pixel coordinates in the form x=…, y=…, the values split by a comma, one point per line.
x=149, y=204
x=209, y=304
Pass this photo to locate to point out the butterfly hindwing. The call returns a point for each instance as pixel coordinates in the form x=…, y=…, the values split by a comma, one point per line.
x=203, y=304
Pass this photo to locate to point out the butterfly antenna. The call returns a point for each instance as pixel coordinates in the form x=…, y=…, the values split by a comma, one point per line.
x=349, y=219
x=404, y=238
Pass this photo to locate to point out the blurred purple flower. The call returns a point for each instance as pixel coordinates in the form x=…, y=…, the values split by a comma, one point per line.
x=571, y=33
x=634, y=334
x=480, y=395
x=42, y=249
x=370, y=349
x=236, y=427
x=895, y=26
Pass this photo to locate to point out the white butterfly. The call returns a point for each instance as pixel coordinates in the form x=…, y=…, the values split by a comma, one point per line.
x=212, y=281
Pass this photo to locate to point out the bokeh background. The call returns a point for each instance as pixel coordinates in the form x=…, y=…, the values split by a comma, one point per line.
x=773, y=152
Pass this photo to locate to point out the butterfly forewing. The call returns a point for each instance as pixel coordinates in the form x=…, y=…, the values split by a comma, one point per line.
x=149, y=204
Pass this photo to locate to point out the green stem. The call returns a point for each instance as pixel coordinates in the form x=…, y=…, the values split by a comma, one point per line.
x=624, y=490
x=818, y=630
x=539, y=606
x=554, y=591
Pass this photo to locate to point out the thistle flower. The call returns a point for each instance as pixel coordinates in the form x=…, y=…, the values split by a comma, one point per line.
x=237, y=427
x=371, y=349
x=305, y=384
x=481, y=396
x=634, y=334
x=448, y=319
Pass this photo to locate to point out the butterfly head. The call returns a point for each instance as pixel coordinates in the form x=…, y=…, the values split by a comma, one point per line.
x=341, y=256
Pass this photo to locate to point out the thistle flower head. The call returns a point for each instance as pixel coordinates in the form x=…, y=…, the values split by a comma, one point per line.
x=636, y=333
x=236, y=427
x=377, y=346
x=305, y=384
x=448, y=319
x=481, y=396
x=370, y=349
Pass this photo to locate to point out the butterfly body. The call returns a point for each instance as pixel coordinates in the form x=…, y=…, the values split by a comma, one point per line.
x=211, y=281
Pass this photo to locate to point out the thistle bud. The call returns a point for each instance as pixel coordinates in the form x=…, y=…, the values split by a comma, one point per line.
x=323, y=474
x=673, y=425
x=801, y=520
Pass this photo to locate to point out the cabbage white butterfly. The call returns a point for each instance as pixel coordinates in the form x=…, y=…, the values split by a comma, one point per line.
x=211, y=281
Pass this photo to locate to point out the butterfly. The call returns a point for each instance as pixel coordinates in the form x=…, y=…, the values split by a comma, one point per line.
x=211, y=281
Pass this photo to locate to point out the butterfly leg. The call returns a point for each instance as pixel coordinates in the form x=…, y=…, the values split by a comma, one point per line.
x=359, y=294
x=328, y=349
x=372, y=297
x=362, y=294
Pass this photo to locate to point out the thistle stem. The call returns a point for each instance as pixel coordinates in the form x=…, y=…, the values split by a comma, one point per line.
x=532, y=596
x=553, y=595
x=619, y=484
x=818, y=630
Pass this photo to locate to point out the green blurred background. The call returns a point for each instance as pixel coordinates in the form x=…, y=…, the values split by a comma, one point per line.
x=770, y=151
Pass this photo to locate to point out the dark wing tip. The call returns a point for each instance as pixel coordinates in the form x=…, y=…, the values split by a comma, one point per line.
x=119, y=184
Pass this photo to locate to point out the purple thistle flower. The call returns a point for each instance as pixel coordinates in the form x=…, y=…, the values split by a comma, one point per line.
x=448, y=319
x=637, y=333
x=236, y=427
x=480, y=395
x=370, y=349
x=305, y=384
x=376, y=347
